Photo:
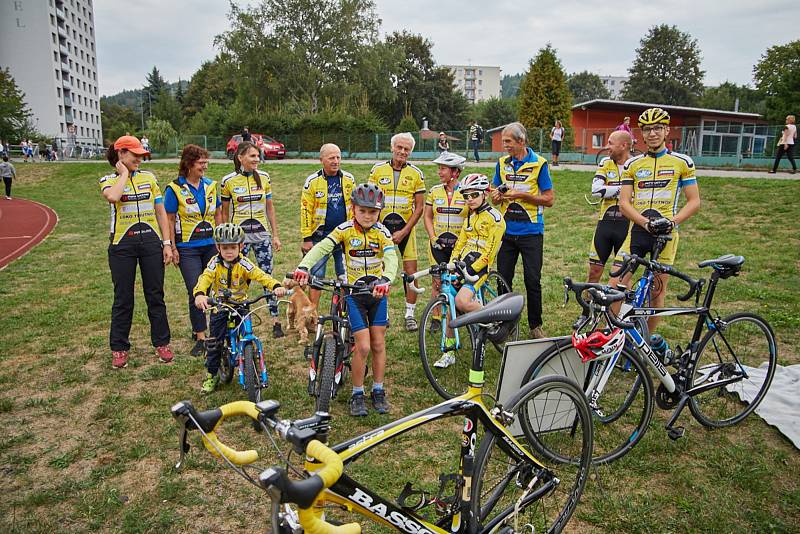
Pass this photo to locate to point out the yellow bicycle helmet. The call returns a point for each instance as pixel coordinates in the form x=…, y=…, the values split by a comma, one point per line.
x=653, y=116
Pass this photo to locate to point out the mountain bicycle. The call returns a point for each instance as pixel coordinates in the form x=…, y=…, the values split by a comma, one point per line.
x=529, y=479
x=445, y=352
x=241, y=348
x=710, y=375
x=329, y=358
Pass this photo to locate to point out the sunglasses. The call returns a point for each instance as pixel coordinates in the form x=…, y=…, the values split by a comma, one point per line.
x=474, y=194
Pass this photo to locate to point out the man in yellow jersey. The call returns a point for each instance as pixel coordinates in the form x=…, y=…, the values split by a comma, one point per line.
x=522, y=190
x=403, y=186
x=651, y=187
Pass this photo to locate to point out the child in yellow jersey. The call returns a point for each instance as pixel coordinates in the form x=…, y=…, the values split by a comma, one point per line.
x=372, y=258
x=231, y=271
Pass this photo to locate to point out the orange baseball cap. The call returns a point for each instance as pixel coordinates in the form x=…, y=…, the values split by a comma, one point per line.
x=129, y=142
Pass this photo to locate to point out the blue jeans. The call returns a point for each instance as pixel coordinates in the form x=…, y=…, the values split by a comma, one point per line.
x=475, y=145
x=263, y=254
x=192, y=262
x=318, y=270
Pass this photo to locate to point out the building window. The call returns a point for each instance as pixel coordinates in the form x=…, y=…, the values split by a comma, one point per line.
x=58, y=92
x=598, y=140
x=55, y=56
x=58, y=76
x=60, y=110
x=54, y=38
x=480, y=72
x=62, y=127
x=52, y=20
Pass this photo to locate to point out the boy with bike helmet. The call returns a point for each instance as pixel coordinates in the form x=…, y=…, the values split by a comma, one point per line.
x=232, y=272
x=477, y=246
x=371, y=259
x=650, y=189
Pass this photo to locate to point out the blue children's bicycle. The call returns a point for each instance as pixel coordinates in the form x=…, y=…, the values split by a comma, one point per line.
x=445, y=352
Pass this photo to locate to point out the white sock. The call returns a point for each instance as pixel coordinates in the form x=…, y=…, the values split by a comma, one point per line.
x=410, y=309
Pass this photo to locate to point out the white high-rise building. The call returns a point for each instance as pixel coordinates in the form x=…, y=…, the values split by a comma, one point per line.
x=476, y=82
x=615, y=85
x=49, y=48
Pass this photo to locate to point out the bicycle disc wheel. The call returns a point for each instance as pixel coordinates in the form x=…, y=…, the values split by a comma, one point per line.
x=741, y=346
x=451, y=380
x=520, y=494
x=251, y=381
x=621, y=412
x=326, y=370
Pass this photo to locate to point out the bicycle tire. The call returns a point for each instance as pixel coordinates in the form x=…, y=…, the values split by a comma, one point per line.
x=600, y=155
x=326, y=370
x=622, y=412
x=453, y=380
x=749, y=345
x=251, y=380
x=225, y=366
x=495, y=286
x=500, y=479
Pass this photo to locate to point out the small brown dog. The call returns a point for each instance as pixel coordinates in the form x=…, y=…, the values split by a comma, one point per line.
x=302, y=314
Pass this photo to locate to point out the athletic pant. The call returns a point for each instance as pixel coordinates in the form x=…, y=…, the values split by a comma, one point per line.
x=530, y=247
x=7, y=181
x=789, y=155
x=193, y=261
x=122, y=260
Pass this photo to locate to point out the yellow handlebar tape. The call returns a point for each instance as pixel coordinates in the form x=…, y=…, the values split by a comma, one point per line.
x=332, y=467
x=244, y=408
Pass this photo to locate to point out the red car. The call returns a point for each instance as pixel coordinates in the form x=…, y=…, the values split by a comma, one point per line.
x=269, y=147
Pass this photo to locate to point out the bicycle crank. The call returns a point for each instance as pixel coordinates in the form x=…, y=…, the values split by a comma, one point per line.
x=666, y=400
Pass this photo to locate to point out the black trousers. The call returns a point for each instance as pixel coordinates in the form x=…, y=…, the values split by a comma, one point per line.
x=531, y=248
x=7, y=181
x=218, y=326
x=789, y=155
x=122, y=260
x=193, y=263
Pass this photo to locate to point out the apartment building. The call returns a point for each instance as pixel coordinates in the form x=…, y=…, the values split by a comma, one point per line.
x=477, y=82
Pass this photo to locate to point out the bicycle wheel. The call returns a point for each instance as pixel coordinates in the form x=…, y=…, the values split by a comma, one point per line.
x=251, y=372
x=451, y=380
x=740, y=346
x=520, y=494
x=495, y=286
x=326, y=369
x=225, y=366
x=600, y=155
x=621, y=412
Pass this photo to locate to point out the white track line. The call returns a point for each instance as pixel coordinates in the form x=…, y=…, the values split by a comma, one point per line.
x=47, y=212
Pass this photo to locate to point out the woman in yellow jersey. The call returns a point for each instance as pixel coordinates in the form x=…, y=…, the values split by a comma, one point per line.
x=193, y=208
x=138, y=224
x=247, y=201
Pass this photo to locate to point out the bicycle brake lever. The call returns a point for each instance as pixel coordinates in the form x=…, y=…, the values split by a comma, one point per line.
x=184, y=445
x=566, y=296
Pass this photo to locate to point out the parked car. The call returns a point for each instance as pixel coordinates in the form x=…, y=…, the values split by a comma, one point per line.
x=269, y=147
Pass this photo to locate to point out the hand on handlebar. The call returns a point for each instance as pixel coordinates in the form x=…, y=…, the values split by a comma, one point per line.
x=380, y=288
x=300, y=275
x=201, y=302
x=660, y=226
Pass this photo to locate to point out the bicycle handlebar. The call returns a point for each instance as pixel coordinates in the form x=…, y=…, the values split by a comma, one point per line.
x=333, y=283
x=226, y=300
x=209, y=420
x=602, y=297
x=454, y=267
x=629, y=264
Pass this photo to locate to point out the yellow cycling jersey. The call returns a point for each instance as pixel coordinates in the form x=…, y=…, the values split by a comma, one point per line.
x=133, y=216
x=657, y=180
x=525, y=179
x=248, y=201
x=314, y=203
x=398, y=197
x=480, y=238
x=369, y=254
x=610, y=173
x=191, y=223
x=234, y=276
x=448, y=213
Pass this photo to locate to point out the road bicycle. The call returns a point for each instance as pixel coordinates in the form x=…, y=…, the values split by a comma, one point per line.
x=711, y=375
x=241, y=348
x=528, y=479
x=329, y=356
x=445, y=352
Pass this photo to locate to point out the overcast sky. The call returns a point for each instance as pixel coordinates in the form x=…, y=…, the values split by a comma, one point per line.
x=598, y=36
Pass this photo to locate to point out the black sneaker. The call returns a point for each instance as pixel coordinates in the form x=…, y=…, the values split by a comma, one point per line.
x=358, y=405
x=199, y=348
x=379, y=401
x=436, y=326
x=277, y=331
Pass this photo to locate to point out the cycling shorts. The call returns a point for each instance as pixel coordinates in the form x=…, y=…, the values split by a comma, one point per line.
x=365, y=311
x=437, y=256
x=609, y=237
x=640, y=242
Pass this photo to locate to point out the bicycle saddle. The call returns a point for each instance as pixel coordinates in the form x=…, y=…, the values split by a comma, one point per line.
x=507, y=307
x=723, y=262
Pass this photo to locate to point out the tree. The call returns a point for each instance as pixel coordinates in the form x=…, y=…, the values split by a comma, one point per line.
x=214, y=81
x=408, y=124
x=666, y=69
x=161, y=134
x=494, y=112
x=156, y=84
x=118, y=120
x=586, y=86
x=14, y=112
x=168, y=109
x=544, y=96
x=509, y=85
x=777, y=75
x=724, y=97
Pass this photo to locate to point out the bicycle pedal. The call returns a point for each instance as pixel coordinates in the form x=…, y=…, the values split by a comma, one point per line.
x=675, y=433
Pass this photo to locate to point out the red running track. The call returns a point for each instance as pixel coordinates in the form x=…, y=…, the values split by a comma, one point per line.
x=23, y=224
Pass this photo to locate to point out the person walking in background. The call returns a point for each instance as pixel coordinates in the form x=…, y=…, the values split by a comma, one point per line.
x=556, y=136
x=139, y=228
x=443, y=145
x=146, y=145
x=8, y=173
x=523, y=189
x=786, y=145
x=246, y=136
x=192, y=202
x=475, y=138
x=626, y=127
x=23, y=146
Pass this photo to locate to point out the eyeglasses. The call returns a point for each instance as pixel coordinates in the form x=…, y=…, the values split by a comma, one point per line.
x=468, y=196
x=658, y=128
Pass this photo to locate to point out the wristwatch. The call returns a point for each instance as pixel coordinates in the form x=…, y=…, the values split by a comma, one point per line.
x=167, y=242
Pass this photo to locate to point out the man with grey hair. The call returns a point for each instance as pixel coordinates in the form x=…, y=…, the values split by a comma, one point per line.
x=522, y=190
x=403, y=186
x=325, y=204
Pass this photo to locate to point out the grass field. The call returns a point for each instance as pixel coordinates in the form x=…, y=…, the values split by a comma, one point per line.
x=88, y=449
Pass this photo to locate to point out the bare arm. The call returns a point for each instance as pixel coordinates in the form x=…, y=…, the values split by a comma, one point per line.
x=428, y=221
x=224, y=209
x=692, y=206
x=161, y=217
x=276, y=240
x=114, y=193
x=627, y=208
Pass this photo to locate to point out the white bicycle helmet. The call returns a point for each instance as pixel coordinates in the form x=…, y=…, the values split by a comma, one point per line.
x=474, y=182
x=454, y=161
x=228, y=234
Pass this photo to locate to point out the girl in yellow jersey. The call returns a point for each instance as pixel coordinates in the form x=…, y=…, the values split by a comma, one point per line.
x=247, y=201
x=138, y=224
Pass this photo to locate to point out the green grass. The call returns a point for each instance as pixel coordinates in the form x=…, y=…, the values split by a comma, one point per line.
x=88, y=449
